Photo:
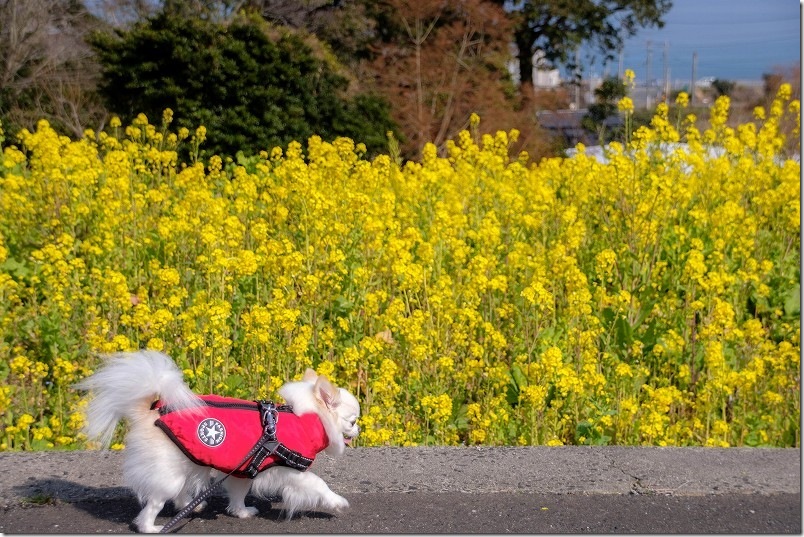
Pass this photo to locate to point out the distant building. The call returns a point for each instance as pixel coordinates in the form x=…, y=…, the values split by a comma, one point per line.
x=544, y=76
x=566, y=126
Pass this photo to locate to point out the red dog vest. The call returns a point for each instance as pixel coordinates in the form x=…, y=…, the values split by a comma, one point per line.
x=221, y=433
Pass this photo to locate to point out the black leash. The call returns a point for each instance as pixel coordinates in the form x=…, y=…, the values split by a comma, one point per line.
x=264, y=448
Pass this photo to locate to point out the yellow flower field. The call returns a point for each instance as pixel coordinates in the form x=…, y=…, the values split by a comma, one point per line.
x=470, y=298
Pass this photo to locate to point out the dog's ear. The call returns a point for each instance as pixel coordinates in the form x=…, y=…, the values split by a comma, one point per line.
x=310, y=375
x=327, y=393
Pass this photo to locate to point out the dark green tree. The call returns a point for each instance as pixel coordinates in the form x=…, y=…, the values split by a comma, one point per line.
x=723, y=86
x=599, y=116
x=558, y=27
x=252, y=85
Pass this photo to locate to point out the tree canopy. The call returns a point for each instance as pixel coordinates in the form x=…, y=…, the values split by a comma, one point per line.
x=558, y=27
x=251, y=84
x=438, y=62
x=259, y=73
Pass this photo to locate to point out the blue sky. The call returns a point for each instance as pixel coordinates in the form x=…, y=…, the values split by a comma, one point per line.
x=734, y=39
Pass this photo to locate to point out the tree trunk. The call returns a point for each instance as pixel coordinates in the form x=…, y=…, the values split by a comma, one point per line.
x=524, y=45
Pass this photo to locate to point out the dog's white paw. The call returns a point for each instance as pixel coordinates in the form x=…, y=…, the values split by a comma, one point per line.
x=149, y=528
x=243, y=512
x=338, y=503
x=200, y=507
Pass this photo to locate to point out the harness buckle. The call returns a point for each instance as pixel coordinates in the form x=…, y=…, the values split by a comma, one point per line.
x=269, y=417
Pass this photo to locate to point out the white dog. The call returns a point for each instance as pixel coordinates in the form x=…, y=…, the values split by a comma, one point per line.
x=158, y=470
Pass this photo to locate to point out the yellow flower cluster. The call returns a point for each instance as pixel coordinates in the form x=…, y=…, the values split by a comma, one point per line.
x=465, y=298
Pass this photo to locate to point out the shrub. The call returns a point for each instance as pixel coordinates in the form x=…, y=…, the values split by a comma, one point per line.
x=252, y=85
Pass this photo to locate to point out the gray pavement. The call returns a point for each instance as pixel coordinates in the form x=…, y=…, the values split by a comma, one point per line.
x=468, y=490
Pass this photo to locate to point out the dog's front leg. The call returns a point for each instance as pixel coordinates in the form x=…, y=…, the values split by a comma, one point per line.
x=236, y=489
x=299, y=490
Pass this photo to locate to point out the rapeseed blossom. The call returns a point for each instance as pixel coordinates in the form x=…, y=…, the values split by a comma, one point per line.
x=466, y=298
x=626, y=104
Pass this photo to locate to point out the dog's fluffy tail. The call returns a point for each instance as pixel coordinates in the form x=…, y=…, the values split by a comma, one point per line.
x=126, y=386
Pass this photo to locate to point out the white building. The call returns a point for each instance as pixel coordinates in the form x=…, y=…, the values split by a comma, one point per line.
x=544, y=76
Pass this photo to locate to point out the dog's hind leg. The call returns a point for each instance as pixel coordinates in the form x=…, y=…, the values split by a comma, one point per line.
x=237, y=489
x=155, y=500
x=157, y=471
x=183, y=500
x=194, y=485
x=155, y=487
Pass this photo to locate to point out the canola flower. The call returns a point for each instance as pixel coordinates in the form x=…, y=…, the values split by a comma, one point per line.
x=467, y=298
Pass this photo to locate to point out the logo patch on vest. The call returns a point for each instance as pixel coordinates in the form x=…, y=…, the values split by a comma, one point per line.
x=211, y=432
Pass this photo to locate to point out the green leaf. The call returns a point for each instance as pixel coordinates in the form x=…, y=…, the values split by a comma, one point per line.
x=623, y=332
x=551, y=394
x=461, y=418
x=40, y=445
x=792, y=301
x=518, y=380
x=342, y=306
x=15, y=268
x=233, y=382
x=512, y=394
x=519, y=377
x=584, y=428
x=649, y=338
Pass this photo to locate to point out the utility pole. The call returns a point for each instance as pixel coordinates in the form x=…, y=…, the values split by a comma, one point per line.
x=578, y=78
x=648, y=76
x=666, y=70
x=692, y=80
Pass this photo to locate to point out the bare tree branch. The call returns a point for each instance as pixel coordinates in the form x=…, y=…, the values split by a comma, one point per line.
x=43, y=53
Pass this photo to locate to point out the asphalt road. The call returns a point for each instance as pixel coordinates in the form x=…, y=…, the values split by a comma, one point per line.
x=449, y=490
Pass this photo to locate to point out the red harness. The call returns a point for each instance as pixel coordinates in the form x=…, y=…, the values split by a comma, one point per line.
x=221, y=433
